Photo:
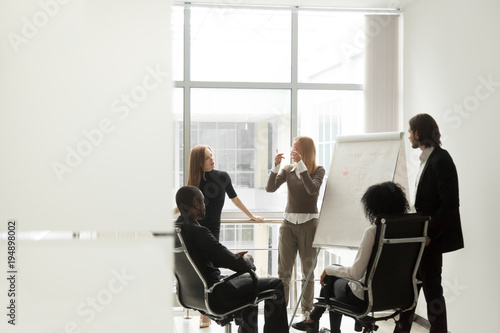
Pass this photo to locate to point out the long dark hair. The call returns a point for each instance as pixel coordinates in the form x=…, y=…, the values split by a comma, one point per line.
x=196, y=160
x=427, y=128
x=384, y=198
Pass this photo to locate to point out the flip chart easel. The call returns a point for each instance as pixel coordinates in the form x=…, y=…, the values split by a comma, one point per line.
x=357, y=163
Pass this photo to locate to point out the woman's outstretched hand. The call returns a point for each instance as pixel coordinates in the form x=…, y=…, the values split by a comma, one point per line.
x=278, y=159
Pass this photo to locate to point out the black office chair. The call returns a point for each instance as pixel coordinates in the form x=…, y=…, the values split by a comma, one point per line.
x=194, y=293
x=390, y=284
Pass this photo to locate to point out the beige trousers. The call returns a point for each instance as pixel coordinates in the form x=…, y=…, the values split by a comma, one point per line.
x=293, y=238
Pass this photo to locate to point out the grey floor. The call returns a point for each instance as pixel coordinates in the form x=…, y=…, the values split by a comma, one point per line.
x=182, y=325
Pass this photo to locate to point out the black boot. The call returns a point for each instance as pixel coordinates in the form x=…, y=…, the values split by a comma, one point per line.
x=308, y=327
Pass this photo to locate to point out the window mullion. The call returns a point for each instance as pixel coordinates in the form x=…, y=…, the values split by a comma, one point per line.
x=294, y=73
x=187, y=90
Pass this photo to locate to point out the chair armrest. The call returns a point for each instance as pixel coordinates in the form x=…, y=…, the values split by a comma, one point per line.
x=224, y=280
x=359, y=283
x=352, y=280
x=230, y=277
x=255, y=284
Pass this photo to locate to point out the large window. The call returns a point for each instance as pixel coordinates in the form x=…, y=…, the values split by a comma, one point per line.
x=249, y=80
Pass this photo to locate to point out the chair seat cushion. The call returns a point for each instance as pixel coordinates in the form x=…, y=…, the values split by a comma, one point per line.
x=235, y=302
x=335, y=303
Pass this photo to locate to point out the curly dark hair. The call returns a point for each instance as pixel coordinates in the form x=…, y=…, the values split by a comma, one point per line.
x=384, y=198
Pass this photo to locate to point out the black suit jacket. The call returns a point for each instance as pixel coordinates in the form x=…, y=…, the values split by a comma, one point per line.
x=208, y=253
x=437, y=196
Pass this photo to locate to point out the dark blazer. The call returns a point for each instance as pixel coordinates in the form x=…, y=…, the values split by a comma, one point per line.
x=208, y=253
x=437, y=196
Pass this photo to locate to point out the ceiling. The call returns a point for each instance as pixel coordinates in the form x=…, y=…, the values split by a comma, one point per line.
x=365, y=4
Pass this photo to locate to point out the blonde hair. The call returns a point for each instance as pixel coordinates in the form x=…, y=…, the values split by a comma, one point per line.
x=308, y=153
x=196, y=161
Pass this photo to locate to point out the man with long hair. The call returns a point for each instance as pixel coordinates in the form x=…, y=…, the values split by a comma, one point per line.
x=436, y=196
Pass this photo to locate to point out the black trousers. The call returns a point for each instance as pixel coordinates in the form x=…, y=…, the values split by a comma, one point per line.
x=275, y=313
x=337, y=288
x=429, y=273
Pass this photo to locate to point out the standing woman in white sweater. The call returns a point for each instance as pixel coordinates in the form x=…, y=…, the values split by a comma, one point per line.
x=304, y=179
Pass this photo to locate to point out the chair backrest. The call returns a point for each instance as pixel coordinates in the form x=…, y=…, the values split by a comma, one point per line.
x=191, y=286
x=392, y=269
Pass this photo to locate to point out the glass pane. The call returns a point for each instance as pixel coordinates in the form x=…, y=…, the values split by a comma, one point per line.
x=229, y=235
x=245, y=180
x=238, y=45
x=246, y=135
x=232, y=175
x=227, y=135
x=207, y=132
x=330, y=48
x=255, y=122
x=324, y=114
x=178, y=126
x=246, y=160
x=247, y=233
x=177, y=43
x=226, y=160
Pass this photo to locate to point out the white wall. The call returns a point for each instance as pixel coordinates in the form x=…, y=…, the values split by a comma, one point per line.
x=85, y=132
x=451, y=52
x=84, y=100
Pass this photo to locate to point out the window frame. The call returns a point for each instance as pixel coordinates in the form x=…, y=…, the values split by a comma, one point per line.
x=293, y=86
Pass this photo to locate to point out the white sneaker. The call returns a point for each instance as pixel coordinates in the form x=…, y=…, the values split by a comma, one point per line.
x=305, y=314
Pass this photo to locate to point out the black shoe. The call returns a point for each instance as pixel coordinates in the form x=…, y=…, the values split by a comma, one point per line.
x=308, y=327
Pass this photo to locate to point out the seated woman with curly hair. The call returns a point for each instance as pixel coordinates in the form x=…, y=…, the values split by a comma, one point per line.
x=384, y=198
